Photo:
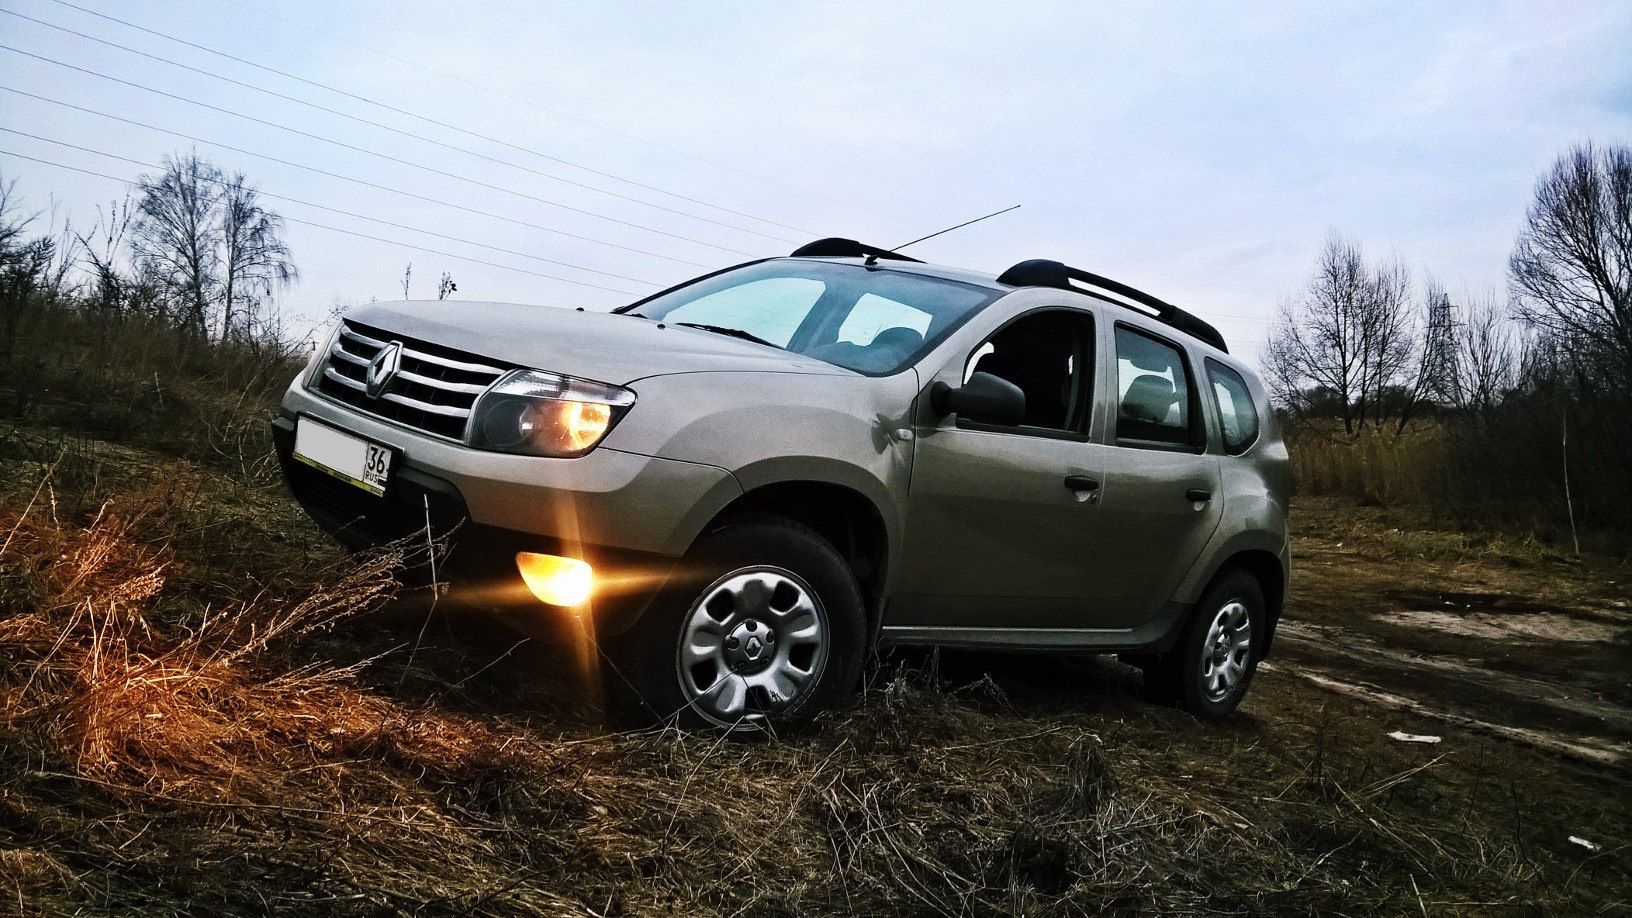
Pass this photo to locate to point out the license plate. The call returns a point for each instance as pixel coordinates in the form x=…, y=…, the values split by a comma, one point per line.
x=349, y=458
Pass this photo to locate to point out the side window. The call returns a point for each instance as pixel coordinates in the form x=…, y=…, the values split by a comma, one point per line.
x=1049, y=356
x=873, y=314
x=770, y=309
x=1237, y=415
x=1153, y=390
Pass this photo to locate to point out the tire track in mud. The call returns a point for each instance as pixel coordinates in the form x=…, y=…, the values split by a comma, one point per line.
x=1524, y=709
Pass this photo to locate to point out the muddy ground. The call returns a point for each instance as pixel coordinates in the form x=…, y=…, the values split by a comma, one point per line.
x=1503, y=640
x=1474, y=682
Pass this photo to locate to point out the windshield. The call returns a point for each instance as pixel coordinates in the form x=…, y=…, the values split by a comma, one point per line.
x=872, y=320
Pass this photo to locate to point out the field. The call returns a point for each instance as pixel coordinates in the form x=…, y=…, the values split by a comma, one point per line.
x=205, y=708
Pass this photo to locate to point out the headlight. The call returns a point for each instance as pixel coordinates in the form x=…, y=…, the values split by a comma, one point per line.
x=542, y=414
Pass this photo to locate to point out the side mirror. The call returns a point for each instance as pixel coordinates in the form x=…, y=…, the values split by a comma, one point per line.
x=985, y=399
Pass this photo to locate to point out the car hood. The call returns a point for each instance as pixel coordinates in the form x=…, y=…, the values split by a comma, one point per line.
x=602, y=346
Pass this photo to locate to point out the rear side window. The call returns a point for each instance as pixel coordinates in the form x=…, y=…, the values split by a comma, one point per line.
x=1237, y=415
x=1153, y=388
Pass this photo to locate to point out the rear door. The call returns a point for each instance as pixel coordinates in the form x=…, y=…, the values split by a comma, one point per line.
x=1161, y=499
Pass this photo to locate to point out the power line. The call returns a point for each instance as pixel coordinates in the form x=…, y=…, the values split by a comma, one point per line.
x=428, y=120
x=561, y=114
x=355, y=181
x=385, y=127
x=368, y=152
x=332, y=229
x=343, y=213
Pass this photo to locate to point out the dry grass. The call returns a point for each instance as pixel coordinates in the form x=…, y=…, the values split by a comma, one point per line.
x=1372, y=467
x=1410, y=535
x=142, y=383
x=1449, y=475
x=164, y=757
x=206, y=709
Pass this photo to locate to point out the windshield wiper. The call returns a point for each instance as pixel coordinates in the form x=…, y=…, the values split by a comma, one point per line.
x=730, y=332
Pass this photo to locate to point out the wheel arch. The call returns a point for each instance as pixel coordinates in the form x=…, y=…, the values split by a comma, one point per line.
x=842, y=516
x=1266, y=568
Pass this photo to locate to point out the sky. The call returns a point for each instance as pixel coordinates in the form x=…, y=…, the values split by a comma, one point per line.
x=587, y=153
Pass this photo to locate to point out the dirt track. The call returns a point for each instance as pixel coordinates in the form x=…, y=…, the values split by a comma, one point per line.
x=1537, y=654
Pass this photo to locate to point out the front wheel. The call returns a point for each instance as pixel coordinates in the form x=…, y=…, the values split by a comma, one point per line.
x=762, y=630
x=1208, y=671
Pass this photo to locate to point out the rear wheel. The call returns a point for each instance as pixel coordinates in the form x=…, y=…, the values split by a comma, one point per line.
x=762, y=631
x=1208, y=671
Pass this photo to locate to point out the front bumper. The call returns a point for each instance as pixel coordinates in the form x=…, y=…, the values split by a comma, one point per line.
x=631, y=517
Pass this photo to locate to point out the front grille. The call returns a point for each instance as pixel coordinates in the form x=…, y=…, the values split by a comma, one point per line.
x=433, y=390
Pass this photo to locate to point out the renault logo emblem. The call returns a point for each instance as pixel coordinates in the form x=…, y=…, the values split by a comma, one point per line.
x=383, y=368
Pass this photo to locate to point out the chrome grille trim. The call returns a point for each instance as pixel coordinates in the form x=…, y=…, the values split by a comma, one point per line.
x=329, y=374
x=456, y=364
x=346, y=331
x=348, y=356
x=468, y=388
x=432, y=391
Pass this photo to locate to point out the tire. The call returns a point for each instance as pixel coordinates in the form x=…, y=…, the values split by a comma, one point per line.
x=1208, y=671
x=762, y=631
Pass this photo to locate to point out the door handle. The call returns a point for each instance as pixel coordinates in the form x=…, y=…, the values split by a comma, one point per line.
x=1198, y=494
x=1081, y=483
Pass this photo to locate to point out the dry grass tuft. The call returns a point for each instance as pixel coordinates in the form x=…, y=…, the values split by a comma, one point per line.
x=125, y=698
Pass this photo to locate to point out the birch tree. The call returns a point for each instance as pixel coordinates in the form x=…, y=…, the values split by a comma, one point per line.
x=254, y=259
x=177, y=236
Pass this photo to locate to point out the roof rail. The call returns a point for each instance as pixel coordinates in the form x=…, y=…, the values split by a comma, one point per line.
x=1040, y=272
x=833, y=247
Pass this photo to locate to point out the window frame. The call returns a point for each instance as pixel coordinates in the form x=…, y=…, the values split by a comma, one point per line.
x=1197, y=424
x=1211, y=365
x=1087, y=352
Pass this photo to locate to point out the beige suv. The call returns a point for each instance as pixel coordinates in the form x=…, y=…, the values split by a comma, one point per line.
x=749, y=482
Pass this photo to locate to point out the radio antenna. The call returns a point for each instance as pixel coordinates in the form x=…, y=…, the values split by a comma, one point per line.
x=951, y=228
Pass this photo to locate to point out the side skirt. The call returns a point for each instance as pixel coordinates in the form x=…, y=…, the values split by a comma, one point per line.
x=1155, y=636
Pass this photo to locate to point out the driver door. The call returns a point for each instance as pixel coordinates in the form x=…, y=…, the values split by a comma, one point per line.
x=1000, y=520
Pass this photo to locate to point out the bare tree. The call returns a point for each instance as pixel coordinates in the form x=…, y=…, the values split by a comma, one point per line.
x=12, y=224
x=1312, y=344
x=255, y=260
x=218, y=255
x=1571, y=271
x=1487, y=358
x=445, y=286
x=1386, y=340
x=177, y=235
x=110, y=286
x=36, y=275
x=1347, y=340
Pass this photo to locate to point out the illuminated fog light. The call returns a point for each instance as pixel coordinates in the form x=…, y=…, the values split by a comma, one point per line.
x=556, y=580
